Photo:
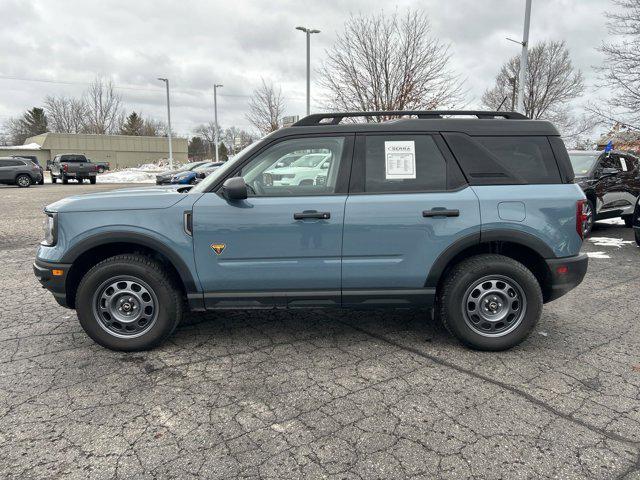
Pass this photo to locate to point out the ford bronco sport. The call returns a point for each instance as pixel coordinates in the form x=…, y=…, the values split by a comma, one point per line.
x=472, y=213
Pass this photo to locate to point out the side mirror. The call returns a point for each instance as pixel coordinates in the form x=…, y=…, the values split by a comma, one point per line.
x=606, y=172
x=234, y=188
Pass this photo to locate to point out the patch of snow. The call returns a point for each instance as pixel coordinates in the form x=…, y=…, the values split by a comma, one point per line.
x=609, y=242
x=128, y=175
x=544, y=334
x=597, y=255
x=28, y=146
x=612, y=221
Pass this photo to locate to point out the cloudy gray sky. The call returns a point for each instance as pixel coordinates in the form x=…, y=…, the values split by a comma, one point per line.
x=51, y=47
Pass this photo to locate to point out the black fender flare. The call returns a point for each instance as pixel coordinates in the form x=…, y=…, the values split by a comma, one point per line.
x=478, y=238
x=148, y=241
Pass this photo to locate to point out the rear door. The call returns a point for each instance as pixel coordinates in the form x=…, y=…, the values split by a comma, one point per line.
x=616, y=194
x=408, y=202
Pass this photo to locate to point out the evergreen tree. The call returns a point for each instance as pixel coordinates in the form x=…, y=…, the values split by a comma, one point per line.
x=197, y=148
x=133, y=125
x=223, y=152
x=33, y=122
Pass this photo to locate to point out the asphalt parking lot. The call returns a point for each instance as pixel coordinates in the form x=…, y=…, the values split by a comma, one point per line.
x=318, y=393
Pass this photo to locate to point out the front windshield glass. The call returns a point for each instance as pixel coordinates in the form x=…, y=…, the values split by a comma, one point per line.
x=204, y=185
x=582, y=163
x=311, y=160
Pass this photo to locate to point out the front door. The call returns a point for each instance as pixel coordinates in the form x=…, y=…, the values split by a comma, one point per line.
x=407, y=204
x=282, y=245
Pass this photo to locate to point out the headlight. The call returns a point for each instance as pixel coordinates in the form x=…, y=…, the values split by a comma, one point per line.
x=50, y=226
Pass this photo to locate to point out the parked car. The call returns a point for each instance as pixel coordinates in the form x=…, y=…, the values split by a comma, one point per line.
x=191, y=177
x=34, y=160
x=636, y=221
x=19, y=171
x=101, y=166
x=72, y=166
x=306, y=170
x=165, y=177
x=611, y=182
x=477, y=218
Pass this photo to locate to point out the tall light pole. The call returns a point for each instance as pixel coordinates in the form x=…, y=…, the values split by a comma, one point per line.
x=524, y=58
x=166, y=81
x=308, y=31
x=215, y=116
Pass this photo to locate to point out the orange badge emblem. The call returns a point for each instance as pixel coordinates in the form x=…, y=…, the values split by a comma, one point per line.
x=218, y=247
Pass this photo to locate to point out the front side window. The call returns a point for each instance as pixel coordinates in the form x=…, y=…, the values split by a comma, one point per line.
x=301, y=166
x=403, y=163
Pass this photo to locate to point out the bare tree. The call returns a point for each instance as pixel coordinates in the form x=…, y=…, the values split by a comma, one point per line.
x=207, y=133
x=266, y=108
x=551, y=83
x=383, y=62
x=236, y=138
x=66, y=114
x=105, y=112
x=621, y=71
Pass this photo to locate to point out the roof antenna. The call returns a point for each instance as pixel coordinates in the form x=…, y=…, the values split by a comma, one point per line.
x=502, y=103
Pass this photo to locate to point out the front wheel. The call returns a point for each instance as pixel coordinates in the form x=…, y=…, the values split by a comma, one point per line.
x=490, y=302
x=23, y=181
x=128, y=303
x=92, y=180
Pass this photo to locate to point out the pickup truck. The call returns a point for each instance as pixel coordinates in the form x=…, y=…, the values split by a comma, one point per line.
x=74, y=166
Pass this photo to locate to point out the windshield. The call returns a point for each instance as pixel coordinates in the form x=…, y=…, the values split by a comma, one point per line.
x=582, y=163
x=229, y=165
x=312, y=160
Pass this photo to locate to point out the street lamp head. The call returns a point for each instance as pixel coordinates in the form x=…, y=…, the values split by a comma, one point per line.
x=217, y=85
x=302, y=29
x=162, y=79
x=314, y=31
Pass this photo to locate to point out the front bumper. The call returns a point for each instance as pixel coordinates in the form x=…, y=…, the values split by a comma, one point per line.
x=56, y=284
x=565, y=275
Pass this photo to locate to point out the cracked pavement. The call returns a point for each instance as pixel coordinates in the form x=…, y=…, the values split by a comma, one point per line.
x=323, y=393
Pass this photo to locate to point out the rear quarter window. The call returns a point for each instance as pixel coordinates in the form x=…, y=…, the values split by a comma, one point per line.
x=500, y=160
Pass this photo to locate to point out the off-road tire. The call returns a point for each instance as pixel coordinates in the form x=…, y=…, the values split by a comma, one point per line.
x=92, y=180
x=151, y=272
x=65, y=180
x=451, y=306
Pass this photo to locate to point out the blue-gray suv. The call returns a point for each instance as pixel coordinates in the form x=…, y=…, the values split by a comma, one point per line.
x=472, y=213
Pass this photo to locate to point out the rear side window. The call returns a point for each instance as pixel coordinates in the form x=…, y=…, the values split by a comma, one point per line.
x=530, y=158
x=505, y=160
x=403, y=163
x=11, y=163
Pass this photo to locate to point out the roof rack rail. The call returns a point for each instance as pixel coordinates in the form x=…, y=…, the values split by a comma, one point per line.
x=336, y=118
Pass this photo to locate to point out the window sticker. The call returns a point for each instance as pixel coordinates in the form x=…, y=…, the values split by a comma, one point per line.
x=623, y=162
x=400, y=160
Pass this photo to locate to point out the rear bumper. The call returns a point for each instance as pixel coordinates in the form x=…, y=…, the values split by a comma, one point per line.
x=566, y=274
x=56, y=284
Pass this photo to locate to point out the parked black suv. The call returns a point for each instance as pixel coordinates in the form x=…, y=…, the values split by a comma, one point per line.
x=611, y=182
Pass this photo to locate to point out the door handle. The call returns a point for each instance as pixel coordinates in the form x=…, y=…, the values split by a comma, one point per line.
x=441, y=212
x=312, y=214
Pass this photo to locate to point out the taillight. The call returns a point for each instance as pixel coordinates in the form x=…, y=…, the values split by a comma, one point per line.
x=581, y=217
x=65, y=167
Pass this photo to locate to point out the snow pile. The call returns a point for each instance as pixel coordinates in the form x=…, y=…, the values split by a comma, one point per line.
x=597, y=255
x=609, y=242
x=128, y=175
x=152, y=167
x=28, y=146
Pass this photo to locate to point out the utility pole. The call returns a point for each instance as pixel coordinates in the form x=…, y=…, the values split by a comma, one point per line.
x=215, y=116
x=166, y=81
x=308, y=31
x=524, y=59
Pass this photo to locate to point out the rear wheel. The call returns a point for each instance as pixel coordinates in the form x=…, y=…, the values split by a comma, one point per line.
x=128, y=303
x=92, y=180
x=80, y=180
x=637, y=232
x=589, y=218
x=490, y=302
x=65, y=180
x=23, y=181
x=100, y=169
